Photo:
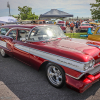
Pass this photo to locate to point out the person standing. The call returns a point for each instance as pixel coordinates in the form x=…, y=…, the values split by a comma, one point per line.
x=67, y=26
x=76, y=26
x=66, y=23
x=71, y=27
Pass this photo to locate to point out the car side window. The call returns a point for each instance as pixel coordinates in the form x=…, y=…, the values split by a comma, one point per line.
x=33, y=33
x=13, y=34
x=3, y=31
x=22, y=35
x=98, y=32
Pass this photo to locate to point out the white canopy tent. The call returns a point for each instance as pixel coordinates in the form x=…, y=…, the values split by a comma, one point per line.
x=7, y=19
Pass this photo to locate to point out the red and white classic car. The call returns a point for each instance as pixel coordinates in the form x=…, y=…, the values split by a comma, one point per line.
x=75, y=62
x=85, y=26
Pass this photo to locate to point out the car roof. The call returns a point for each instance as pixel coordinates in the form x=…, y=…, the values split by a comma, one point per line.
x=11, y=26
x=19, y=28
x=24, y=25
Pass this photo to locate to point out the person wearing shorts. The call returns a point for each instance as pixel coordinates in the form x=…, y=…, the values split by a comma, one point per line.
x=71, y=27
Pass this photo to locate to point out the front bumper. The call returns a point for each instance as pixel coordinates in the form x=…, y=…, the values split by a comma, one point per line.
x=85, y=29
x=84, y=83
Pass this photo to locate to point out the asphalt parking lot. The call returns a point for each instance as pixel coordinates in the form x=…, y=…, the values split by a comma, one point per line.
x=28, y=84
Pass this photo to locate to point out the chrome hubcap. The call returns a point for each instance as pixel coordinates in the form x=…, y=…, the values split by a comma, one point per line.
x=54, y=75
x=2, y=52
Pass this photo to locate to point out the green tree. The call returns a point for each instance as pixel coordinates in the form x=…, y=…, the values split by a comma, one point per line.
x=26, y=13
x=95, y=9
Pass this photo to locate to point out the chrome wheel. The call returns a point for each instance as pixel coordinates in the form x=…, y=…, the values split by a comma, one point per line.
x=55, y=75
x=3, y=54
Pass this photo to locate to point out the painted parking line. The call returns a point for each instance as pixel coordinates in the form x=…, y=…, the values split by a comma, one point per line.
x=6, y=93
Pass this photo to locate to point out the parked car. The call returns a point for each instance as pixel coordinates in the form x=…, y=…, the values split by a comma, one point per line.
x=62, y=25
x=84, y=22
x=85, y=26
x=49, y=22
x=96, y=33
x=75, y=62
x=39, y=22
x=32, y=22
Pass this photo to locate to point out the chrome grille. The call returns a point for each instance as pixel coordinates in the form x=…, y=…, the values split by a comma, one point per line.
x=95, y=70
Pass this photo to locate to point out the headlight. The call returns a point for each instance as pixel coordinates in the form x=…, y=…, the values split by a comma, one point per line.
x=89, y=65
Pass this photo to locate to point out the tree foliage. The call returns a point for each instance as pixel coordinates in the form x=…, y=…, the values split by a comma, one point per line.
x=95, y=10
x=26, y=13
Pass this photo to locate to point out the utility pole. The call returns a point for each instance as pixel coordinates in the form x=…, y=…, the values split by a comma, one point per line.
x=8, y=5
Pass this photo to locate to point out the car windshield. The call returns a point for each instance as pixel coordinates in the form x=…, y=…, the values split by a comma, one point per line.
x=85, y=24
x=46, y=32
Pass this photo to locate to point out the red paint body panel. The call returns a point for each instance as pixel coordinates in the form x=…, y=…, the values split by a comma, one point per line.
x=36, y=62
x=84, y=83
x=21, y=55
x=71, y=72
x=67, y=48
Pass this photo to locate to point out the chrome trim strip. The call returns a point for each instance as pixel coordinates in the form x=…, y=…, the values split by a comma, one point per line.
x=96, y=69
x=56, y=59
x=76, y=77
x=56, y=55
x=3, y=43
x=75, y=65
x=22, y=47
x=94, y=45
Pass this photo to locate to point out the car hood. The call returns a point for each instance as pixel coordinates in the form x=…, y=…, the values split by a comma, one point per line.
x=75, y=44
x=75, y=47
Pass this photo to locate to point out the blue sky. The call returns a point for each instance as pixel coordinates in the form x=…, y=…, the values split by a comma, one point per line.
x=80, y=8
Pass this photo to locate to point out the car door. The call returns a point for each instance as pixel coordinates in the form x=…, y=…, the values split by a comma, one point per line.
x=9, y=39
x=20, y=48
x=36, y=36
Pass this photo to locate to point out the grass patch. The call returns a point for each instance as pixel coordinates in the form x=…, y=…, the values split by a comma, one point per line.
x=77, y=35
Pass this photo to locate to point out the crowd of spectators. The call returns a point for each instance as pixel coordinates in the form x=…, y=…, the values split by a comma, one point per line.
x=75, y=24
